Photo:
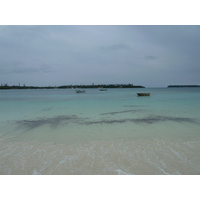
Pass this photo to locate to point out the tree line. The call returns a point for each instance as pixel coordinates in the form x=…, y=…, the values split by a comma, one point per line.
x=93, y=86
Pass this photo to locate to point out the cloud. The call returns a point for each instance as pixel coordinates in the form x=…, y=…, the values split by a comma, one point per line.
x=115, y=47
x=119, y=54
x=149, y=57
x=18, y=67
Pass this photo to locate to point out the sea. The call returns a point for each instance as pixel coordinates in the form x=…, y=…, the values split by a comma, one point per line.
x=113, y=132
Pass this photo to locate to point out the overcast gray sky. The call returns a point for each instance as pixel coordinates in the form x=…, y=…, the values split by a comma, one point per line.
x=151, y=56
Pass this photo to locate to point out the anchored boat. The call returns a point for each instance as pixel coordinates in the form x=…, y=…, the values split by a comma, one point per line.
x=102, y=89
x=80, y=91
x=143, y=94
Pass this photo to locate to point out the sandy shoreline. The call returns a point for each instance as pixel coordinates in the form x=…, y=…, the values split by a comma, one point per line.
x=95, y=158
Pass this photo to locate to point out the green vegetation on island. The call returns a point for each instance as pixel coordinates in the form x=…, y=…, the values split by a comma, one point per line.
x=183, y=86
x=93, y=86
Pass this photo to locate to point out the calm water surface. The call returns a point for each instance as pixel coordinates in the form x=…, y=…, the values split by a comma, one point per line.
x=100, y=132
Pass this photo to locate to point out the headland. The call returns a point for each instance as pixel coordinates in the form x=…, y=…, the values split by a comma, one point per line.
x=93, y=86
x=183, y=86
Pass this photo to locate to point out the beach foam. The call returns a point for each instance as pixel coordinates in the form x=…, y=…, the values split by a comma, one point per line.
x=117, y=157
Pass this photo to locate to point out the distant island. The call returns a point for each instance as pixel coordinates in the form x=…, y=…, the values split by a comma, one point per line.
x=183, y=86
x=93, y=86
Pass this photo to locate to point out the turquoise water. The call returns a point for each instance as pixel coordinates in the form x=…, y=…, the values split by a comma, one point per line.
x=100, y=132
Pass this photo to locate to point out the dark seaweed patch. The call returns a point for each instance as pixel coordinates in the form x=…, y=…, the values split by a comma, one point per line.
x=64, y=120
x=47, y=109
x=146, y=120
x=134, y=106
x=120, y=112
x=106, y=121
x=156, y=118
x=54, y=121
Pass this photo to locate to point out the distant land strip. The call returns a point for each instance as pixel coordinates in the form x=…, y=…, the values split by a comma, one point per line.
x=183, y=86
x=6, y=86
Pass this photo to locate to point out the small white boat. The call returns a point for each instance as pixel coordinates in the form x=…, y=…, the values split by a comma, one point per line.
x=102, y=89
x=80, y=91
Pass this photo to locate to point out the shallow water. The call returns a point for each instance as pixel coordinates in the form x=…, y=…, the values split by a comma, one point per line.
x=100, y=132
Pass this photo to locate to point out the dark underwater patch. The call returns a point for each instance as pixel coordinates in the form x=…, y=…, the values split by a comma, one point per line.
x=53, y=121
x=46, y=109
x=157, y=118
x=120, y=112
x=134, y=106
x=64, y=120
x=146, y=120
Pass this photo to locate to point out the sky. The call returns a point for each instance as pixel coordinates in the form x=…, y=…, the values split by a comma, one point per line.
x=54, y=55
